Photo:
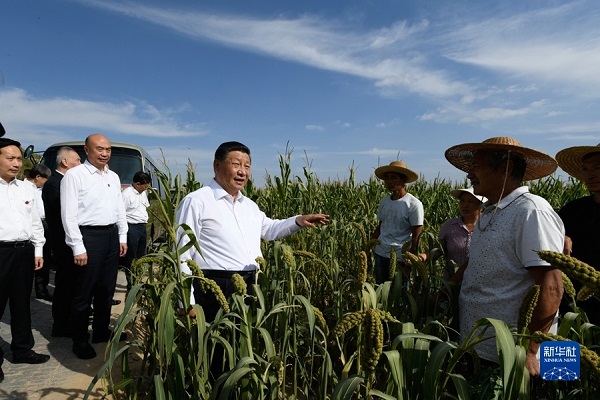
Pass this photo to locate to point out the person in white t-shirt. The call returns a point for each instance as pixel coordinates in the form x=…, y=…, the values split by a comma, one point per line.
x=135, y=199
x=400, y=218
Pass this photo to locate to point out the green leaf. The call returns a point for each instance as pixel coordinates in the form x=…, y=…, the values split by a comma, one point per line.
x=159, y=390
x=345, y=389
x=463, y=390
x=381, y=395
x=310, y=313
x=396, y=372
x=435, y=378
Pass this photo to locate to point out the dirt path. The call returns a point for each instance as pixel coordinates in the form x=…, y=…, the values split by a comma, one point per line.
x=64, y=377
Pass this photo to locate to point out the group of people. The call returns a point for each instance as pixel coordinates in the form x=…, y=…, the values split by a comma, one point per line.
x=501, y=226
x=91, y=227
x=494, y=242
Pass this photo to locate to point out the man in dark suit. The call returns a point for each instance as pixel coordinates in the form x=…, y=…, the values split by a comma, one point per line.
x=63, y=256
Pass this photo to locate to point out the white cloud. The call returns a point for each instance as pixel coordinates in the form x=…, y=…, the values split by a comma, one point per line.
x=558, y=46
x=510, y=57
x=388, y=56
x=48, y=120
x=343, y=124
x=394, y=122
x=313, y=128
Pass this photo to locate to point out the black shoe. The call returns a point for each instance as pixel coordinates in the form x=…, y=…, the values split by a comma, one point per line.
x=115, y=302
x=1, y=375
x=31, y=358
x=84, y=350
x=44, y=294
x=108, y=337
x=61, y=332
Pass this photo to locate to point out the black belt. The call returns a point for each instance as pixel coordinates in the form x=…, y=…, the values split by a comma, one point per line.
x=18, y=243
x=216, y=273
x=136, y=223
x=97, y=227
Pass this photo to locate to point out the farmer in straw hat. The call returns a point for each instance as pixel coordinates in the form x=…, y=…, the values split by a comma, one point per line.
x=503, y=263
x=400, y=218
x=582, y=216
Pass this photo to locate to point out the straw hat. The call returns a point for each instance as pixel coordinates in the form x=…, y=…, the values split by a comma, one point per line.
x=458, y=192
x=570, y=158
x=399, y=167
x=537, y=164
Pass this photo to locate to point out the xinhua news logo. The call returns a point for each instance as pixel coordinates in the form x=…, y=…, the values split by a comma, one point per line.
x=559, y=361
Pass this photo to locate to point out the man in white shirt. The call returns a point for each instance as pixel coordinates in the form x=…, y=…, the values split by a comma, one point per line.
x=503, y=262
x=135, y=198
x=93, y=216
x=229, y=226
x=401, y=218
x=21, y=249
x=37, y=176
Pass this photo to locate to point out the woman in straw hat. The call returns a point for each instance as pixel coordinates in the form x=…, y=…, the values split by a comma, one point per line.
x=400, y=218
x=503, y=263
x=582, y=216
x=456, y=233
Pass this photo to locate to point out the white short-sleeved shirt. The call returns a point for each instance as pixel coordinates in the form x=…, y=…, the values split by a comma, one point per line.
x=503, y=246
x=397, y=218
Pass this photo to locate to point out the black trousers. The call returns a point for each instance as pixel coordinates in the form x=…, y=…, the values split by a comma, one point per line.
x=95, y=282
x=64, y=282
x=42, y=275
x=136, y=247
x=208, y=301
x=16, y=278
x=211, y=306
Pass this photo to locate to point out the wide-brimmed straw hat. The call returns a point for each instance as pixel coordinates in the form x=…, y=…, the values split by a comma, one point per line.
x=399, y=167
x=570, y=159
x=537, y=164
x=458, y=192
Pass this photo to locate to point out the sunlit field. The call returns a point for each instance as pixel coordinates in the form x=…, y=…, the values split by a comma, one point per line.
x=315, y=325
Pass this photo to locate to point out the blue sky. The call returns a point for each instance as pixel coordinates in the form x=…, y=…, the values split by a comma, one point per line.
x=342, y=83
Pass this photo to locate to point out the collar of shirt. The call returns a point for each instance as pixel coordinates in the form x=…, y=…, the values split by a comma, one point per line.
x=14, y=181
x=505, y=201
x=93, y=169
x=219, y=192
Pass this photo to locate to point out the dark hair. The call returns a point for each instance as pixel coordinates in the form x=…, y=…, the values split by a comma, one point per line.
x=497, y=158
x=5, y=142
x=228, y=147
x=38, y=169
x=141, y=177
